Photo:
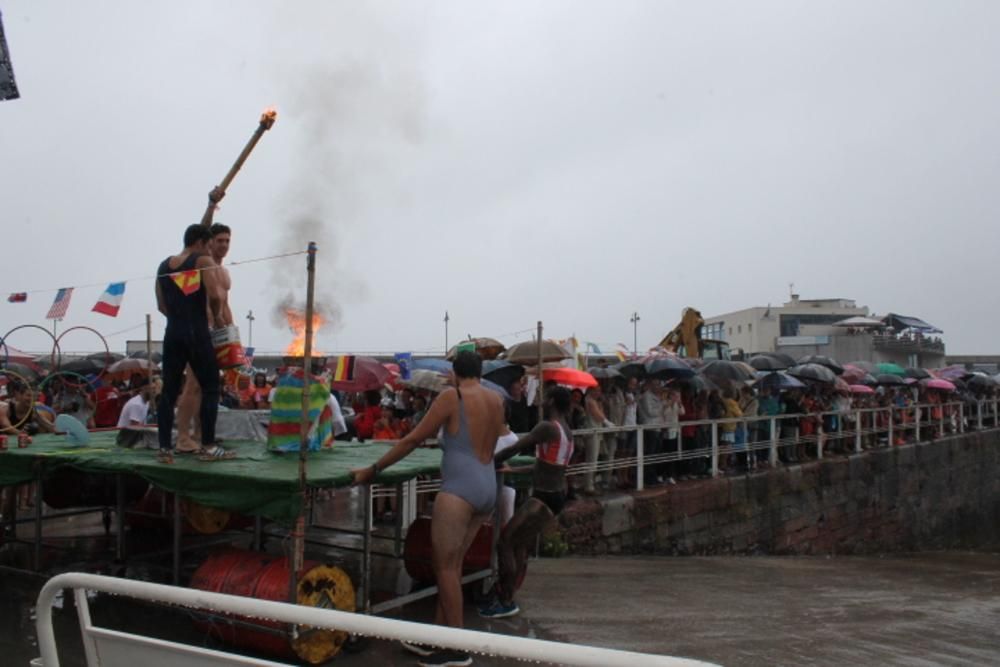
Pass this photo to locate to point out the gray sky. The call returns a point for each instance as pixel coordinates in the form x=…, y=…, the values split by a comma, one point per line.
x=509, y=162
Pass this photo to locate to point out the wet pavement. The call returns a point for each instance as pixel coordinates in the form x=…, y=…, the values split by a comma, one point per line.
x=937, y=608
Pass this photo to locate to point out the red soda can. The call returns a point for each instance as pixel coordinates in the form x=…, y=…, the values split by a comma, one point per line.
x=3, y=442
x=23, y=440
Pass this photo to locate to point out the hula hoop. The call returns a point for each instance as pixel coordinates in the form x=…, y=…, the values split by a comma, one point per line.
x=27, y=384
x=57, y=365
x=3, y=339
x=50, y=376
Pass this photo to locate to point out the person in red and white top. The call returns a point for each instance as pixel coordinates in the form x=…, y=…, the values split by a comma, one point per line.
x=552, y=441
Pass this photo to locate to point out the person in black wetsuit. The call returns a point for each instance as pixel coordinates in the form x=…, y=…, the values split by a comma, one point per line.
x=191, y=299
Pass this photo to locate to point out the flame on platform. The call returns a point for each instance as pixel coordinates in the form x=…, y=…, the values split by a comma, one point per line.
x=268, y=117
x=297, y=324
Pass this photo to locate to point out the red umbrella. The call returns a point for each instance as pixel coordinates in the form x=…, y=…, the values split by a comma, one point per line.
x=393, y=380
x=368, y=374
x=570, y=377
x=861, y=389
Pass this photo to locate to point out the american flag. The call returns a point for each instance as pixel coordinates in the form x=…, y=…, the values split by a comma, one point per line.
x=59, y=306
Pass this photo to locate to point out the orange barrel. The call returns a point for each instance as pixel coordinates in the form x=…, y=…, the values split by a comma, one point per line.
x=66, y=487
x=197, y=519
x=265, y=577
x=417, y=550
x=228, y=350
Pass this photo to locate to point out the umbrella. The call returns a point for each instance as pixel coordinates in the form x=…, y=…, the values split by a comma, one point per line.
x=667, y=368
x=130, y=366
x=83, y=366
x=866, y=366
x=782, y=357
x=861, y=389
x=106, y=358
x=951, y=373
x=631, y=369
x=722, y=370
x=767, y=362
x=781, y=381
x=487, y=348
x=25, y=371
x=570, y=377
x=889, y=379
x=813, y=372
x=840, y=385
x=436, y=365
x=699, y=382
x=981, y=381
x=430, y=380
x=502, y=372
x=604, y=372
x=526, y=353
x=890, y=369
x=939, y=384
x=494, y=387
x=823, y=361
x=919, y=373
x=368, y=374
x=860, y=322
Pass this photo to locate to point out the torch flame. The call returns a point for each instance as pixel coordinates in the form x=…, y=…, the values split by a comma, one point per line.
x=297, y=323
x=268, y=117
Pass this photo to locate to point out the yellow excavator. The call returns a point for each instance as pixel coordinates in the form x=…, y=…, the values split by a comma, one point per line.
x=685, y=339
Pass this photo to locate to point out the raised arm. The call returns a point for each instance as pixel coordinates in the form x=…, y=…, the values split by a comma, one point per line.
x=543, y=432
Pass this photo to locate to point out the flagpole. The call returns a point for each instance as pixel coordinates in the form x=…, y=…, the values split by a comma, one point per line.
x=541, y=383
x=149, y=346
x=299, y=533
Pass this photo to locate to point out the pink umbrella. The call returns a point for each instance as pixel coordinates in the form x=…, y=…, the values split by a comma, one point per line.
x=861, y=389
x=938, y=383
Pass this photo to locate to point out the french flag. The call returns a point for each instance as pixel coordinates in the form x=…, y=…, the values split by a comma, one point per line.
x=111, y=301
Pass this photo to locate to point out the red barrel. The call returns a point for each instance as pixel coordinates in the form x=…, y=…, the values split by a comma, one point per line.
x=417, y=550
x=265, y=577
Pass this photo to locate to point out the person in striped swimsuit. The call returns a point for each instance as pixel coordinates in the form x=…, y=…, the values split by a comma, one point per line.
x=552, y=441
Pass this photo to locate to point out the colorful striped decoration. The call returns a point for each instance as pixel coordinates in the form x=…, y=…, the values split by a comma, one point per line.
x=284, y=433
x=343, y=370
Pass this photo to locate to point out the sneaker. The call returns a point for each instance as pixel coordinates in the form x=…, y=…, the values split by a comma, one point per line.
x=446, y=658
x=498, y=609
x=423, y=650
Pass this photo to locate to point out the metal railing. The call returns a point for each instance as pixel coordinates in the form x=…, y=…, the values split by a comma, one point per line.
x=105, y=647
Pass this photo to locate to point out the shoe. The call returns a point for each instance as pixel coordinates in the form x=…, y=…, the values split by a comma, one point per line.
x=423, y=650
x=498, y=609
x=446, y=658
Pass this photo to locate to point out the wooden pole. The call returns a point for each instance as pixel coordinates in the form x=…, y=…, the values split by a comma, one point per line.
x=541, y=382
x=299, y=533
x=266, y=121
x=149, y=346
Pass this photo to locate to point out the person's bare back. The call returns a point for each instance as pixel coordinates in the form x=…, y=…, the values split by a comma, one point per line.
x=483, y=414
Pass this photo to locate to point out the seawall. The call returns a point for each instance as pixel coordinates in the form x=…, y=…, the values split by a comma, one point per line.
x=940, y=494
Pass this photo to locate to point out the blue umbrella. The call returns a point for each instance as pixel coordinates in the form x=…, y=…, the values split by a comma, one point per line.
x=436, y=365
x=493, y=386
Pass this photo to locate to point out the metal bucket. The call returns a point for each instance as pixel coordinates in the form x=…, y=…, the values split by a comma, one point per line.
x=258, y=575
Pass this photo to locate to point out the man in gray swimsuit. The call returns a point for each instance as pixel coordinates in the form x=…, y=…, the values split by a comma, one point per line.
x=473, y=419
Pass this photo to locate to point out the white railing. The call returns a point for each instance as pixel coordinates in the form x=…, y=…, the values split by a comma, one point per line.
x=110, y=648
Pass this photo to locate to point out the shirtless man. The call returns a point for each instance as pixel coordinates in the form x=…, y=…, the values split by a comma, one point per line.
x=473, y=420
x=21, y=402
x=190, y=399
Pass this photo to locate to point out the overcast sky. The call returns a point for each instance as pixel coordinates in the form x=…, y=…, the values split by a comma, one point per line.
x=570, y=162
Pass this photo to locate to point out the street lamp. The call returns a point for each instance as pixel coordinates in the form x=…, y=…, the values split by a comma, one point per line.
x=250, y=319
x=635, y=334
x=446, y=318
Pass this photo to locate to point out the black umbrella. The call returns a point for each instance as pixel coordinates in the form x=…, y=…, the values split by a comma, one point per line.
x=782, y=381
x=890, y=380
x=823, y=361
x=722, y=370
x=106, y=358
x=767, y=362
x=813, y=372
x=918, y=373
x=978, y=381
x=502, y=372
x=699, y=382
x=667, y=368
x=868, y=380
x=631, y=369
x=26, y=372
x=604, y=372
x=782, y=357
x=82, y=366
x=141, y=354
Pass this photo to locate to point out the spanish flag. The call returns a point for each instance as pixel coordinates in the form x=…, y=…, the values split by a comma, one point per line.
x=343, y=371
x=188, y=282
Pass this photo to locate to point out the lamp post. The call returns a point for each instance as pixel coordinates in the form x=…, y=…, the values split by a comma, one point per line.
x=446, y=318
x=635, y=333
x=250, y=319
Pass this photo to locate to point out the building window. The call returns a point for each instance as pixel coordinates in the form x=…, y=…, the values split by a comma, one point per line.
x=739, y=328
x=730, y=331
x=749, y=327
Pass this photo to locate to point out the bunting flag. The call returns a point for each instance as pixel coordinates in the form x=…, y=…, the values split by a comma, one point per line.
x=248, y=356
x=59, y=306
x=111, y=301
x=592, y=348
x=621, y=351
x=188, y=282
x=343, y=371
x=17, y=297
x=404, y=360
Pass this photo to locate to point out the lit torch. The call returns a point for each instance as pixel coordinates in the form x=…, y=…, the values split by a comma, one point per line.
x=266, y=122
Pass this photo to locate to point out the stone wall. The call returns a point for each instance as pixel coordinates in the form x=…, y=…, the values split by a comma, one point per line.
x=942, y=494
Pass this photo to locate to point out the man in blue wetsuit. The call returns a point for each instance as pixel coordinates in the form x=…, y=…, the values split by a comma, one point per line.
x=188, y=293
x=472, y=418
